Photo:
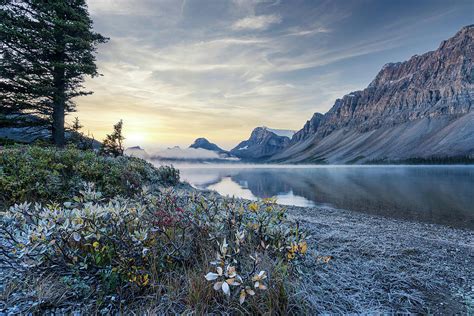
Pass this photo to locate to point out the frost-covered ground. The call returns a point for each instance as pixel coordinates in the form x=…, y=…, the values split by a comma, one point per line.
x=386, y=265
x=380, y=265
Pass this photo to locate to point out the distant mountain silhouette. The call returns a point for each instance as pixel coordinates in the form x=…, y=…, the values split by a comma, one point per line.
x=205, y=144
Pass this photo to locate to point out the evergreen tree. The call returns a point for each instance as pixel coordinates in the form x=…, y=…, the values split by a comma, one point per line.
x=113, y=143
x=47, y=47
x=77, y=137
x=76, y=125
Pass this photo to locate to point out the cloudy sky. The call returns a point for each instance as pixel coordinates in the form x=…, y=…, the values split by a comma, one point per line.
x=175, y=70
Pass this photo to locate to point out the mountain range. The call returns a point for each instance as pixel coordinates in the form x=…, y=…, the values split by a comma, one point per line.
x=418, y=109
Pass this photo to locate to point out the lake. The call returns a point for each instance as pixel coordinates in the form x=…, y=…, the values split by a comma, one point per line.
x=434, y=194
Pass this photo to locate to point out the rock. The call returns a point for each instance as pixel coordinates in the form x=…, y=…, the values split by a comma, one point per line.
x=281, y=132
x=308, y=129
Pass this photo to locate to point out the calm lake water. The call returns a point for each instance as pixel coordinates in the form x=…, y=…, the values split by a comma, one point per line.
x=435, y=194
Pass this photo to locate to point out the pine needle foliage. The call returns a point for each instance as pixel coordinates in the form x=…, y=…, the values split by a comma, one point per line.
x=47, y=47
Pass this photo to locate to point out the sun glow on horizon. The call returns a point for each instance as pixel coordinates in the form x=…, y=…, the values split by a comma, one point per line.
x=135, y=138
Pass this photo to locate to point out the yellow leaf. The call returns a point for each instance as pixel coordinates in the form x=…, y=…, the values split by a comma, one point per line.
x=303, y=247
x=253, y=207
x=242, y=296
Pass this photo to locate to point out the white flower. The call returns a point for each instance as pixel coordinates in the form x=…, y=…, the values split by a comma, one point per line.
x=222, y=285
x=258, y=278
x=239, y=236
x=76, y=236
x=212, y=276
x=229, y=278
x=244, y=293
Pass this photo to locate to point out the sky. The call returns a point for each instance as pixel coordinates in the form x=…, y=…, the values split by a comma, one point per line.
x=176, y=70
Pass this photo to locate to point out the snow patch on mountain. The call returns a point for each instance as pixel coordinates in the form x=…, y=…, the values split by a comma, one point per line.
x=281, y=132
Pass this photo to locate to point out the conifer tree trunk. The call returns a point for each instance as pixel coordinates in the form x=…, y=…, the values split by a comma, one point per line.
x=58, y=122
x=59, y=96
x=59, y=105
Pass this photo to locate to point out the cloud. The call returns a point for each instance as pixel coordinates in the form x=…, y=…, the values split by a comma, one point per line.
x=247, y=6
x=175, y=70
x=257, y=22
x=306, y=32
x=328, y=56
x=118, y=7
x=187, y=153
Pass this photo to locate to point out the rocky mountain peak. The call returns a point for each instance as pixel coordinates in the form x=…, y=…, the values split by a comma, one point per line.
x=260, y=133
x=449, y=64
x=203, y=143
x=309, y=128
x=280, y=132
x=261, y=144
x=200, y=142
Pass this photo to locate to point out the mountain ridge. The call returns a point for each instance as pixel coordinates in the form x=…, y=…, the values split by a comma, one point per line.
x=421, y=107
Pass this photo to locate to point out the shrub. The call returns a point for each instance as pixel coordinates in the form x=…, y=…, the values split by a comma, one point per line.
x=110, y=236
x=36, y=173
x=113, y=143
x=168, y=175
x=116, y=250
x=245, y=235
x=7, y=141
x=77, y=138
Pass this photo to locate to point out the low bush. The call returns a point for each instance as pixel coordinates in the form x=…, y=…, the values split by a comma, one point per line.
x=168, y=175
x=116, y=251
x=111, y=237
x=33, y=173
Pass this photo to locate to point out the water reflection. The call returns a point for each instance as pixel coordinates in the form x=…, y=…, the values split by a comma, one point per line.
x=438, y=194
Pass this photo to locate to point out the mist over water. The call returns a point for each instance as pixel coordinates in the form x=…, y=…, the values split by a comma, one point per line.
x=434, y=194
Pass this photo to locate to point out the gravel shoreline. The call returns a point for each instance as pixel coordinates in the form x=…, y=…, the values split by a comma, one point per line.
x=386, y=265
